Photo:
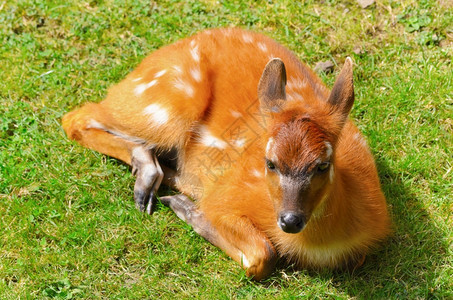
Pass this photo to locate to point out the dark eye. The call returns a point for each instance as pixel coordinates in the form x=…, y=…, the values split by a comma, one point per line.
x=270, y=165
x=323, y=167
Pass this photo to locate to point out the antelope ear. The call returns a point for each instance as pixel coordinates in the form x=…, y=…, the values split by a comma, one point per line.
x=342, y=94
x=271, y=88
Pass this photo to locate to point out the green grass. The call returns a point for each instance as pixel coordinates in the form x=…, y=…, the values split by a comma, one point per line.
x=68, y=226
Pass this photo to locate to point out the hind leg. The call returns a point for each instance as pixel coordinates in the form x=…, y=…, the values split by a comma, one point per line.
x=86, y=126
x=82, y=126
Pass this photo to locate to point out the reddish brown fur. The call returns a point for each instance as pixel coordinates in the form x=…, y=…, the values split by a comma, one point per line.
x=208, y=91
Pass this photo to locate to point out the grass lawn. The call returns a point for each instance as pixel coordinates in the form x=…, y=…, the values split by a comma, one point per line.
x=68, y=225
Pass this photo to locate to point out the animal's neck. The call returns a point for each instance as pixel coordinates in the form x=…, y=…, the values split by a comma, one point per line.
x=328, y=221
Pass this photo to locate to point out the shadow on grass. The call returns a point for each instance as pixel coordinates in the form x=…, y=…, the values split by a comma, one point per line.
x=409, y=263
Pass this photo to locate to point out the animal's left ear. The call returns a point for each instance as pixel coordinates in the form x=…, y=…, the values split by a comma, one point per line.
x=271, y=88
x=342, y=95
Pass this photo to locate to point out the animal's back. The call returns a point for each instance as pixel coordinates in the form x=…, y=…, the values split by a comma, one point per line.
x=199, y=96
x=225, y=126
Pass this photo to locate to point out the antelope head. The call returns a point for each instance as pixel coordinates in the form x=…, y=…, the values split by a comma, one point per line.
x=299, y=156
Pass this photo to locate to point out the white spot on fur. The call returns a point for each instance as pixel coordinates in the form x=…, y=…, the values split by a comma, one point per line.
x=295, y=83
x=269, y=145
x=239, y=143
x=141, y=88
x=158, y=114
x=184, y=86
x=207, y=139
x=328, y=149
x=235, y=114
x=294, y=96
x=136, y=79
x=271, y=56
x=177, y=69
x=141, y=154
x=247, y=38
x=195, y=53
x=227, y=31
x=245, y=262
x=257, y=173
x=196, y=74
x=160, y=73
x=262, y=46
x=96, y=125
x=358, y=137
x=249, y=184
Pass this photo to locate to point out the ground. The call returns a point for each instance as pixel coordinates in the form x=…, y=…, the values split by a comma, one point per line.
x=68, y=225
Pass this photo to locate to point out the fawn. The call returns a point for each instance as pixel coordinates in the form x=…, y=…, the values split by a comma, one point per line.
x=276, y=168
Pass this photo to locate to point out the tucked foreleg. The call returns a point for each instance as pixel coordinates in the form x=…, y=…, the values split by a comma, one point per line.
x=149, y=177
x=235, y=235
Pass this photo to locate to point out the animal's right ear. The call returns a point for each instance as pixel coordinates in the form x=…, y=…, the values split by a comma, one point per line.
x=271, y=88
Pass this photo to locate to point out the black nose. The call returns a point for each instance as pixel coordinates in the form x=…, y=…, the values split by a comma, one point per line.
x=291, y=222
